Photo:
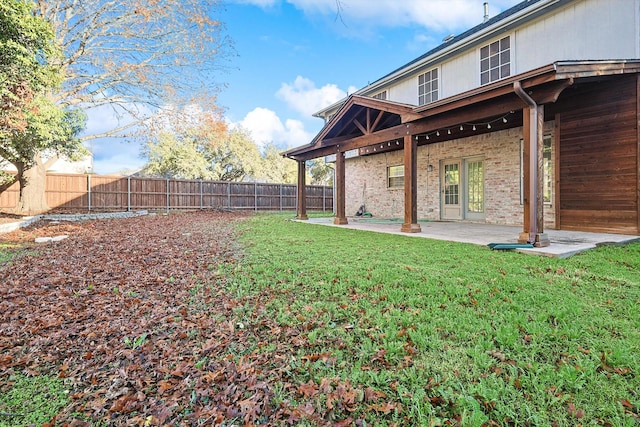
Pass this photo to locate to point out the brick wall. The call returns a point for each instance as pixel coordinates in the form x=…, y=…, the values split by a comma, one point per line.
x=366, y=178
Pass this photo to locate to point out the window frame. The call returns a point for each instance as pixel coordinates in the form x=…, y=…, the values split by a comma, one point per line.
x=381, y=95
x=422, y=98
x=398, y=180
x=497, y=67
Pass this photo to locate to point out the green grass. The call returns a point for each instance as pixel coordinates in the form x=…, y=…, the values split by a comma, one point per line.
x=448, y=333
x=27, y=400
x=6, y=252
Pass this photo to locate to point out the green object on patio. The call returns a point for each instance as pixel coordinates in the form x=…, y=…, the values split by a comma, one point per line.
x=509, y=246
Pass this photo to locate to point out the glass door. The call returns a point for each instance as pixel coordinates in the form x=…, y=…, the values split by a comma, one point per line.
x=451, y=203
x=474, y=189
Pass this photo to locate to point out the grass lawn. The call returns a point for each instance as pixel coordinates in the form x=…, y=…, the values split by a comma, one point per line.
x=287, y=323
x=392, y=329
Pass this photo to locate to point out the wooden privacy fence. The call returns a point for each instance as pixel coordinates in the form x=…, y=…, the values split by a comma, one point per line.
x=87, y=193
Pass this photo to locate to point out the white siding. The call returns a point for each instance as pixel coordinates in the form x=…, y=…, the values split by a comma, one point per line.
x=581, y=30
x=460, y=74
x=406, y=91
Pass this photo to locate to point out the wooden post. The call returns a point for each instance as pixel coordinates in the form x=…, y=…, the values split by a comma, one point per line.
x=410, y=224
x=638, y=153
x=532, y=159
x=89, y=191
x=340, y=217
x=168, y=195
x=302, y=191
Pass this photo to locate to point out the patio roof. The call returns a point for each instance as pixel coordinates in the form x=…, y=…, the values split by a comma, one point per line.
x=363, y=121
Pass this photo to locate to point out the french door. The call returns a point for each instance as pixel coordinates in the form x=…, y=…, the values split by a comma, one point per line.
x=462, y=185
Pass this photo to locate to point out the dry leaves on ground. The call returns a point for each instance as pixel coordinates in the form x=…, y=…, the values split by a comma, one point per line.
x=129, y=313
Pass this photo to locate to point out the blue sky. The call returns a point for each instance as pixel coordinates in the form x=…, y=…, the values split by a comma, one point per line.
x=298, y=56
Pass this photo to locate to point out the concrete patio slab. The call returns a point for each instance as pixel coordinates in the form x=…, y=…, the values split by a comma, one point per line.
x=563, y=243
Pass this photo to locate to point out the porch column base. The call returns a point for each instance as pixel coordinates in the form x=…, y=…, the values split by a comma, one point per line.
x=302, y=217
x=340, y=221
x=410, y=228
x=542, y=239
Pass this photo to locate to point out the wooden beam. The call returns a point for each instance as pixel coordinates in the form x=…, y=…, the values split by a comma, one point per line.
x=550, y=92
x=638, y=151
x=527, y=235
x=340, y=217
x=539, y=191
x=410, y=224
x=424, y=125
x=359, y=126
x=302, y=191
x=376, y=121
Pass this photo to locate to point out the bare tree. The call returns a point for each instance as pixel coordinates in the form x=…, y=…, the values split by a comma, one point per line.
x=138, y=55
x=135, y=57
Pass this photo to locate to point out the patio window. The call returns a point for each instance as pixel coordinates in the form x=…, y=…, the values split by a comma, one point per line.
x=495, y=61
x=395, y=176
x=428, y=87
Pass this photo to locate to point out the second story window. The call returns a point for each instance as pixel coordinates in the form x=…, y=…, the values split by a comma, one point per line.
x=382, y=95
x=428, y=87
x=495, y=61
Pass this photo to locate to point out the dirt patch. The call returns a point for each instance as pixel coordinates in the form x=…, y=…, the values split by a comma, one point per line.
x=133, y=315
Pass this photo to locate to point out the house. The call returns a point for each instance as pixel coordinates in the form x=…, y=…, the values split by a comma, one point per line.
x=530, y=118
x=61, y=165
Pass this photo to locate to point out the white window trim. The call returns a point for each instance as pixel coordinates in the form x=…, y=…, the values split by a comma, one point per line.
x=417, y=79
x=512, y=58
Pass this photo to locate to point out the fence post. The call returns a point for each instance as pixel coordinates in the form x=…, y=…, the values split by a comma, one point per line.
x=324, y=197
x=128, y=193
x=201, y=196
x=280, y=197
x=168, y=201
x=255, y=196
x=89, y=191
x=229, y=194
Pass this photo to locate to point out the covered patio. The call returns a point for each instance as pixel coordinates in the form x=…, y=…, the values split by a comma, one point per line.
x=371, y=127
x=563, y=243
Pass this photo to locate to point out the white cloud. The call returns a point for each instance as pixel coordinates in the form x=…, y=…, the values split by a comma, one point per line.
x=304, y=97
x=266, y=127
x=113, y=156
x=439, y=15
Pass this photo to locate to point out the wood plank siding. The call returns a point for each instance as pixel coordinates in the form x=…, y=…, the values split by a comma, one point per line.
x=598, y=158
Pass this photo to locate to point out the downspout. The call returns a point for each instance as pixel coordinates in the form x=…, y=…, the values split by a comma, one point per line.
x=533, y=162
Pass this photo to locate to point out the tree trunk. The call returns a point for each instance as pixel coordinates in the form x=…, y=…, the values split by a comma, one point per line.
x=32, y=189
